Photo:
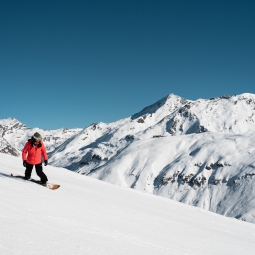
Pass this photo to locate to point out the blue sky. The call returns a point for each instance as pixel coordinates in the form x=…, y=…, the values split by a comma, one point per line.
x=73, y=63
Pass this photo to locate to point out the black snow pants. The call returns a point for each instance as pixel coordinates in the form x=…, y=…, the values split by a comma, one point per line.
x=39, y=171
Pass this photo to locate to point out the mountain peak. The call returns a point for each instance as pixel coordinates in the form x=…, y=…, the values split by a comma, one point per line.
x=170, y=99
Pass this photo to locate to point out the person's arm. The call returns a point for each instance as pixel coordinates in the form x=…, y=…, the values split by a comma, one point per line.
x=24, y=152
x=45, y=156
x=24, y=155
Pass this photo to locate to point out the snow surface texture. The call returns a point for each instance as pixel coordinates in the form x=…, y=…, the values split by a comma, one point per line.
x=86, y=216
x=198, y=152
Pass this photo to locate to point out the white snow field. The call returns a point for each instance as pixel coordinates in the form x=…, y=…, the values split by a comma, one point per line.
x=213, y=171
x=88, y=216
x=201, y=152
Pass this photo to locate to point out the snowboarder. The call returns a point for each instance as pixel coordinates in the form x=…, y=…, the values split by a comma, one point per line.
x=32, y=155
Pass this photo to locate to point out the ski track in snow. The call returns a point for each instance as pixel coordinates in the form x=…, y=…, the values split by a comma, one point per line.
x=87, y=216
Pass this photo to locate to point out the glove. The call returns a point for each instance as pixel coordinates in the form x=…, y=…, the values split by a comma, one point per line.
x=45, y=162
x=24, y=163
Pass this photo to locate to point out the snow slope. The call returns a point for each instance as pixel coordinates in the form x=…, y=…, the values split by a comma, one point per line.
x=211, y=170
x=198, y=152
x=86, y=216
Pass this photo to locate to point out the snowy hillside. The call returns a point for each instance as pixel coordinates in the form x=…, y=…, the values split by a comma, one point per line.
x=198, y=152
x=17, y=134
x=212, y=171
x=86, y=216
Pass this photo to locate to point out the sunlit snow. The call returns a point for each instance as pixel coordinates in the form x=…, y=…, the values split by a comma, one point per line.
x=87, y=216
x=197, y=152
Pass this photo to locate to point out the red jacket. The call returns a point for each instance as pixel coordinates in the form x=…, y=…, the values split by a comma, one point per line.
x=33, y=154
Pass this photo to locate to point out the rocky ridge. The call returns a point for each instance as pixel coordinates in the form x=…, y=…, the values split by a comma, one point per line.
x=16, y=133
x=6, y=148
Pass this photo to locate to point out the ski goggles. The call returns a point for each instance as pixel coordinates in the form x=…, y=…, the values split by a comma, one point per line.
x=37, y=138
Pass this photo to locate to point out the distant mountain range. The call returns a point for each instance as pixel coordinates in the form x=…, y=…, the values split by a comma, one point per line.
x=198, y=152
x=16, y=134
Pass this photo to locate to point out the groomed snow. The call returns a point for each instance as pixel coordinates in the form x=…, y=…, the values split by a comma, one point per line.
x=87, y=216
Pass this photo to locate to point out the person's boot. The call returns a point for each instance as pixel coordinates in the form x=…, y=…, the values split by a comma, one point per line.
x=44, y=184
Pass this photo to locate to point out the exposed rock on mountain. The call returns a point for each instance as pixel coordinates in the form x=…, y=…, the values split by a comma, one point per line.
x=6, y=148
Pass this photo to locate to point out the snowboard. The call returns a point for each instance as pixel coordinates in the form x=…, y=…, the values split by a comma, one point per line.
x=52, y=186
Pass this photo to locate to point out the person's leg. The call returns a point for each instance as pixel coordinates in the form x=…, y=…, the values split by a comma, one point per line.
x=28, y=171
x=40, y=173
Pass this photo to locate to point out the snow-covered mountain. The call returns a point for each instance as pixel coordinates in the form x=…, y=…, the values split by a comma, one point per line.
x=212, y=171
x=86, y=216
x=171, y=116
x=6, y=148
x=17, y=134
x=197, y=152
